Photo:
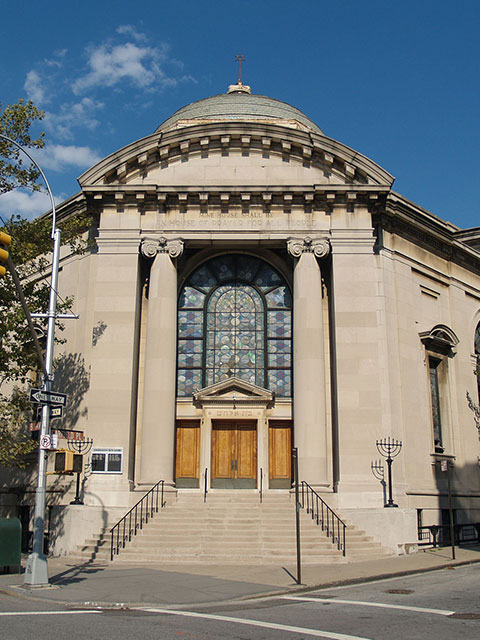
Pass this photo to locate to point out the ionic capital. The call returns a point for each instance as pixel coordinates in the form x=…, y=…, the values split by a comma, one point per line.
x=320, y=247
x=151, y=246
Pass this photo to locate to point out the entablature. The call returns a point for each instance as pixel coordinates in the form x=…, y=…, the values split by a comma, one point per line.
x=163, y=198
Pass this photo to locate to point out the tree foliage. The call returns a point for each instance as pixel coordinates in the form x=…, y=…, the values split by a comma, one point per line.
x=15, y=122
x=15, y=441
x=31, y=254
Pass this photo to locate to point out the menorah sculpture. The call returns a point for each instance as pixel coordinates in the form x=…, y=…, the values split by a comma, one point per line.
x=378, y=471
x=389, y=449
x=82, y=447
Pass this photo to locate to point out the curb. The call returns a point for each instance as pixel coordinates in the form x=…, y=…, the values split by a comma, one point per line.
x=32, y=594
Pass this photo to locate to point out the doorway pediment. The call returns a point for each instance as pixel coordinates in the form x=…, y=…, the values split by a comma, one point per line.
x=234, y=392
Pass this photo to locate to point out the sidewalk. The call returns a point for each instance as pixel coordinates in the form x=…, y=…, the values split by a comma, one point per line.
x=120, y=584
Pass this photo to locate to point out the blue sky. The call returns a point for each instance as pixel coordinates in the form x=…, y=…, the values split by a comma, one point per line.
x=397, y=81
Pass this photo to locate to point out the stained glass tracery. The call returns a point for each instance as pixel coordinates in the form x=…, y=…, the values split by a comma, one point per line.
x=234, y=319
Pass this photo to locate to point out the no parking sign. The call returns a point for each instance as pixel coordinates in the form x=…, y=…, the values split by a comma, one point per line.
x=49, y=442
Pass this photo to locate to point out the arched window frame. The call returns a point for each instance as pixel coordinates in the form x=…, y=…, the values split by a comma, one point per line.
x=440, y=343
x=476, y=347
x=193, y=338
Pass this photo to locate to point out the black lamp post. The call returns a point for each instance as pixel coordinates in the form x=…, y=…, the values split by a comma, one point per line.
x=82, y=447
x=389, y=449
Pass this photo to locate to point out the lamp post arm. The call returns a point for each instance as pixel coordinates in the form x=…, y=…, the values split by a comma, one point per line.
x=52, y=201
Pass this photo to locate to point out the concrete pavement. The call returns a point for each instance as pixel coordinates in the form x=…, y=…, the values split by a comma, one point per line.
x=199, y=584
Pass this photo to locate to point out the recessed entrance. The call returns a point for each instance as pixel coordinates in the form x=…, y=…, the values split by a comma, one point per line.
x=234, y=455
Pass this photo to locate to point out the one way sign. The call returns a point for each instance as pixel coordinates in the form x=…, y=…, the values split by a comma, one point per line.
x=47, y=397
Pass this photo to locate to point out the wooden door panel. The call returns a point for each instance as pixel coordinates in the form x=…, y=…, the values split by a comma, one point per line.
x=187, y=458
x=234, y=455
x=223, y=448
x=280, y=454
x=246, y=452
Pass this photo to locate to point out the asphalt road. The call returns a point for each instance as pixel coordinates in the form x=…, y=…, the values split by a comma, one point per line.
x=440, y=605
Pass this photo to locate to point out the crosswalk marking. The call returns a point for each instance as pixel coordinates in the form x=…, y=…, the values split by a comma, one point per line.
x=258, y=623
x=440, y=612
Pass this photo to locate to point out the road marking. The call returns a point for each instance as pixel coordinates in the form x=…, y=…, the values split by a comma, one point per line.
x=440, y=612
x=258, y=623
x=44, y=613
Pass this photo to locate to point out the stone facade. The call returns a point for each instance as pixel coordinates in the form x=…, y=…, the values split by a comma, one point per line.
x=385, y=305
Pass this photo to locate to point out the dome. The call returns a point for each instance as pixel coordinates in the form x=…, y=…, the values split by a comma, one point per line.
x=239, y=104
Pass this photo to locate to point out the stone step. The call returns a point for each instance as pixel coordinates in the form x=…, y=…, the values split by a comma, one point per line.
x=231, y=527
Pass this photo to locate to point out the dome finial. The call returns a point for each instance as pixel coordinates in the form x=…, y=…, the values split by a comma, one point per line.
x=239, y=87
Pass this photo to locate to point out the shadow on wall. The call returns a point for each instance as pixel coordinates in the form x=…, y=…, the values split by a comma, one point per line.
x=71, y=525
x=465, y=504
x=72, y=378
x=17, y=499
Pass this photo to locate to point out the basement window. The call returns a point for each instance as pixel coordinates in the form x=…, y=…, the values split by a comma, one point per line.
x=107, y=460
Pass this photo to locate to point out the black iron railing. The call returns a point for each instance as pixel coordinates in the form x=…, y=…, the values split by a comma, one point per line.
x=261, y=486
x=205, y=484
x=128, y=526
x=324, y=516
x=439, y=535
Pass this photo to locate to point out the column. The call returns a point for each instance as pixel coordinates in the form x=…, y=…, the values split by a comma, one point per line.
x=158, y=425
x=309, y=397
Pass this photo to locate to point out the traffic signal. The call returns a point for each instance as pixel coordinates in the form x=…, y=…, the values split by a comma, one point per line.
x=5, y=241
x=68, y=462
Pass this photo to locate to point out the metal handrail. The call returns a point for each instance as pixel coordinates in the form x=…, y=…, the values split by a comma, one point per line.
x=261, y=485
x=137, y=517
x=324, y=516
x=439, y=535
x=205, y=484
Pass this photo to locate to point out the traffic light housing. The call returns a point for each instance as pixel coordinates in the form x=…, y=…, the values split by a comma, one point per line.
x=68, y=462
x=5, y=241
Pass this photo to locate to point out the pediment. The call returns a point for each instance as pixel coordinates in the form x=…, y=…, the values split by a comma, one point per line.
x=233, y=391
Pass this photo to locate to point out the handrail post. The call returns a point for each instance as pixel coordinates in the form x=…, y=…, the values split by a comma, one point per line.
x=205, y=484
x=261, y=485
x=297, y=514
x=328, y=519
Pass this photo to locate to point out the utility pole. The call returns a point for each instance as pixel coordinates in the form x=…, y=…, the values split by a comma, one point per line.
x=36, y=572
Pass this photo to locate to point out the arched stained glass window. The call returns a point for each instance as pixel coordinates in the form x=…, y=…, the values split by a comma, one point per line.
x=234, y=319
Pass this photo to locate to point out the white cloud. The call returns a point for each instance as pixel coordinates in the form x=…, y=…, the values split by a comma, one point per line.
x=110, y=65
x=72, y=116
x=129, y=30
x=28, y=204
x=35, y=87
x=58, y=157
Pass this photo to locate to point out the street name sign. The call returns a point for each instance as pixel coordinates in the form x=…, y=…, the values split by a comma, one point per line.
x=55, y=412
x=47, y=397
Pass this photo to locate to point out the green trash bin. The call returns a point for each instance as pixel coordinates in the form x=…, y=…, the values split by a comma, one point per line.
x=10, y=542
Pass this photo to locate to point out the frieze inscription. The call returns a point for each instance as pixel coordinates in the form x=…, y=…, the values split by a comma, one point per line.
x=236, y=413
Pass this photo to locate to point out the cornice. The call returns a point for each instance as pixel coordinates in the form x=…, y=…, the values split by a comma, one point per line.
x=162, y=199
x=308, y=148
x=403, y=218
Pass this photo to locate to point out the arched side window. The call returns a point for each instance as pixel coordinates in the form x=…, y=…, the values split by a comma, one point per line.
x=439, y=343
x=234, y=319
x=477, y=354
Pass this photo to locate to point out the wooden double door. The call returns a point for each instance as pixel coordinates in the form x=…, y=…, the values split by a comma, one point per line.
x=234, y=455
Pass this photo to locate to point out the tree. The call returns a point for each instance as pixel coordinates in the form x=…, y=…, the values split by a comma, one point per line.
x=30, y=252
x=15, y=122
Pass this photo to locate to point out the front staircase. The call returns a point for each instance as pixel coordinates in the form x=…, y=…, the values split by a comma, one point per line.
x=230, y=528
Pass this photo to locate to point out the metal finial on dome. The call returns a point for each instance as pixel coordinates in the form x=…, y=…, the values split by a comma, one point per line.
x=239, y=87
